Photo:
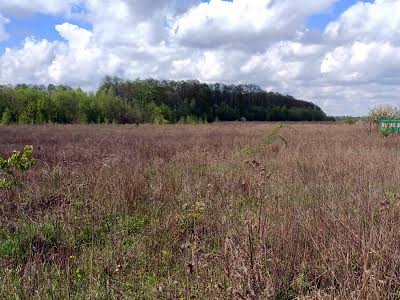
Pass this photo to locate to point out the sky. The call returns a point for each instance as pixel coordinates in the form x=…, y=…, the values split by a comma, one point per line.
x=343, y=55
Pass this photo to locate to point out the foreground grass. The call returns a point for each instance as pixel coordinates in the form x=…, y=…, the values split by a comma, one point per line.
x=187, y=212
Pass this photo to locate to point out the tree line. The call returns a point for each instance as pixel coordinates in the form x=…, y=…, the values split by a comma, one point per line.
x=150, y=101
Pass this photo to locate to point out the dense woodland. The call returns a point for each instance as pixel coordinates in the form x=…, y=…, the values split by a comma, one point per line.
x=150, y=101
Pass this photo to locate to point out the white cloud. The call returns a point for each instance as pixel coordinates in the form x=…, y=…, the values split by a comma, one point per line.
x=362, y=63
x=352, y=64
x=29, y=63
x=285, y=61
x=378, y=21
x=210, y=66
x=244, y=23
x=77, y=59
x=374, y=62
x=76, y=37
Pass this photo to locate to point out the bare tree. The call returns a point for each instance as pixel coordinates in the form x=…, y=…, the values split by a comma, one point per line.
x=384, y=111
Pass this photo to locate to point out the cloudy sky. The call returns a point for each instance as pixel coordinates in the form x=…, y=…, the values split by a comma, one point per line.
x=344, y=55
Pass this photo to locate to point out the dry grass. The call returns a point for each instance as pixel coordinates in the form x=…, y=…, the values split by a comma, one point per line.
x=179, y=212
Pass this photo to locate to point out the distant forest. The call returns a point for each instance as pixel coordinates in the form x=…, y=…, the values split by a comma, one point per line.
x=150, y=101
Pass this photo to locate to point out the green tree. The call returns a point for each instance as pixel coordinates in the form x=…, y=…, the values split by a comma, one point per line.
x=66, y=106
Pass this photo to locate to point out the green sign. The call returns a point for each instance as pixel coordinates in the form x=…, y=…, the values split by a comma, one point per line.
x=390, y=125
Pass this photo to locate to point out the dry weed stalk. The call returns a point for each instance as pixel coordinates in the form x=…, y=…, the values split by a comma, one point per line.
x=176, y=212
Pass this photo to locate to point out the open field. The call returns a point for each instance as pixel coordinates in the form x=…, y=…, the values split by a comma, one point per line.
x=183, y=212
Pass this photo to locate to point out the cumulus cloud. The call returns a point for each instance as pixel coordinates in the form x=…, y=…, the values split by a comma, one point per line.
x=76, y=37
x=362, y=60
x=285, y=61
x=243, y=22
x=375, y=62
x=75, y=61
x=351, y=64
x=29, y=63
x=378, y=21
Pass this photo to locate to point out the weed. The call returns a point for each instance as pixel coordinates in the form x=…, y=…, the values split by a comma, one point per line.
x=9, y=246
x=17, y=163
x=176, y=212
x=267, y=140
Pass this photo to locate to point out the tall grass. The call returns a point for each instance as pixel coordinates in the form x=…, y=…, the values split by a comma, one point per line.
x=178, y=212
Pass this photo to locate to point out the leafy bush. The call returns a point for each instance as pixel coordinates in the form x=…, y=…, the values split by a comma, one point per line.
x=348, y=121
x=17, y=163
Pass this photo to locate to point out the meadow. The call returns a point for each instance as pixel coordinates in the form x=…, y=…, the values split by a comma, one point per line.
x=218, y=211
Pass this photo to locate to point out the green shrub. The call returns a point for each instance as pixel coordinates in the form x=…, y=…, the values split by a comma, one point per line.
x=14, y=165
x=6, y=118
x=348, y=121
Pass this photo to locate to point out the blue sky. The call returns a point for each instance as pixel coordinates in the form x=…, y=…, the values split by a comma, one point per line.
x=346, y=67
x=42, y=26
x=321, y=20
x=37, y=25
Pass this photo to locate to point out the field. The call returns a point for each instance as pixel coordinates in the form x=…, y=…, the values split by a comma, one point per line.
x=221, y=211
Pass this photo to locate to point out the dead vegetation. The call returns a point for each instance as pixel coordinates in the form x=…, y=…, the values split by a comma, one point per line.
x=180, y=212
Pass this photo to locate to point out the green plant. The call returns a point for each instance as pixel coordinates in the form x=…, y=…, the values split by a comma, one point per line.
x=348, y=121
x=6, y=117
x=9, y=246
x=270, y=137
x=21, y=241
x=273, y=136
x=132, y=224
x=17, y=163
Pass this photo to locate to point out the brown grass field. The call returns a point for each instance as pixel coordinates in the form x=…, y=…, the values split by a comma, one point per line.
x=183, y=212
